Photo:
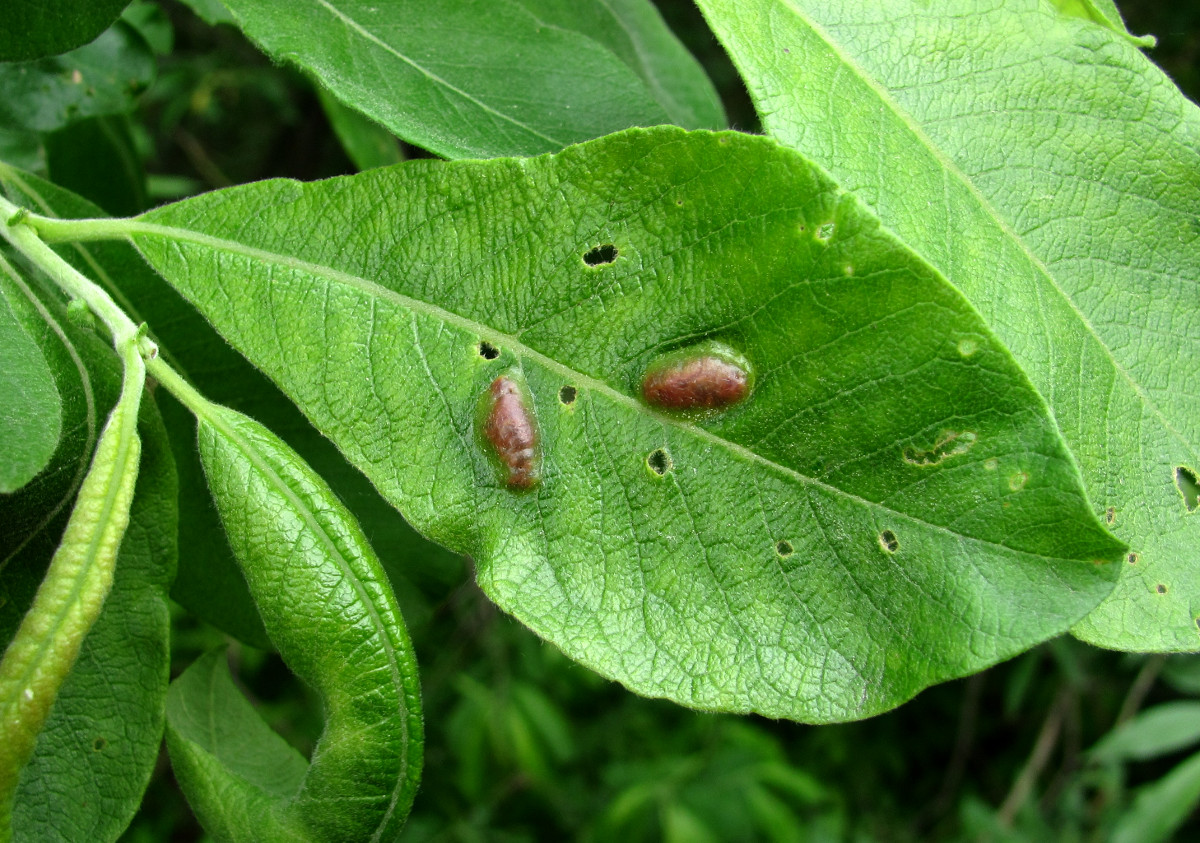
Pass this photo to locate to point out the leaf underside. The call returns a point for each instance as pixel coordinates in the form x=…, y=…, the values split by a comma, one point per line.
x=891, y=507
x=1052, y=174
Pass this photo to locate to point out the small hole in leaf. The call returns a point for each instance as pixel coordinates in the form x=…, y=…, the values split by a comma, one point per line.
x=98, y=744
x=1110, y=515
x=1160, y=588
x=888, y=541
x=488, y=351
x=659, y=461
x=601, y=255
x=784, y=548
x=825, y=232
x=567, y=395
x=1189, y=487
x=678, y=201
x=1132, y=558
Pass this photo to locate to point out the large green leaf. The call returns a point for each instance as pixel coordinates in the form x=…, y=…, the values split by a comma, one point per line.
x=1053, y=175
x=891, y=507
x=31, y=416
x=479, y=78
x=209, y=584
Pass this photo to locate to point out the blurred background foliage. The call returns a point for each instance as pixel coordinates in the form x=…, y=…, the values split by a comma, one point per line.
x=1065, y=743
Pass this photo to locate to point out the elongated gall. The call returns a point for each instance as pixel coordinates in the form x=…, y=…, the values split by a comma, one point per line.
x=708, y=377
x=511, y=430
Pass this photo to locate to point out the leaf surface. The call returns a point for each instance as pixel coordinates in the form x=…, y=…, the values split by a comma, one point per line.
x=98, y=747
x=892, y=506
x=31, y=30
x=1050, y=172
x=209, y=583
x=481, y=78
x=31, y=415
x=326, y=605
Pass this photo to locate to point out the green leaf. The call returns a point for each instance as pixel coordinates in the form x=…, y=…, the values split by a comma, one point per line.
x=212, y=732
x=209, y=583
x=31, y=415
x=103, y=77
x=367, y=144
x=100, y=743
x=893, y=466
x=1160, y=808
x=70, y=597
x=480, y=78
x=1052, y=174
x=1156, y=731
x=96, y=158
x=31, y=30
x=327, y=606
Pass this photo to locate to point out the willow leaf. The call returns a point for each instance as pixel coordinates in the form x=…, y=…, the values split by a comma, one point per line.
x=1031, y=153
x=891, y=507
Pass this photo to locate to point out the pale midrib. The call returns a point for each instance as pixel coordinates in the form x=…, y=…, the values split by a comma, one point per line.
x=990, y=212
x=433, y=77
x=501, y=340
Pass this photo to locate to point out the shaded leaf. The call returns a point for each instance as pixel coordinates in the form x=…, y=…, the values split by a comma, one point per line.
x=480, y=78
x=103, y=77
x=746, y=569
x=31, y=30
x=31, y=414
x=1160, y=808
x=1052, y=174
x=1156, y=731
x=367, y=144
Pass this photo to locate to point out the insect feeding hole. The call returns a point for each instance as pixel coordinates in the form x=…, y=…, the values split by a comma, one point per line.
x=601, y=255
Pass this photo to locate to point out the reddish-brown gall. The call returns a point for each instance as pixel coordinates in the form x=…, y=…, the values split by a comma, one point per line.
x=709, y=377
x=511, y=430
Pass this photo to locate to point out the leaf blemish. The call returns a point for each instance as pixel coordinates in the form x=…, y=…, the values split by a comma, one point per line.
x=1188, y=486
x=825, y=232
x=710, y=376
x=784, y=548
x=511, y=430
x=98, y=744
x=659, y=461
x=488, y=351
x=1132, y=558
x=888, y=541
x=1110, y=515
x=967, y=347
x=567, y=395
x=1160, y=588
x=601, y=255
x=1017, y=481
x=950, y=443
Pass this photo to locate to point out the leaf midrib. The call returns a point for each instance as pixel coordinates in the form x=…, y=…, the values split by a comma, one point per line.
x=134, y=227
x=887, y=101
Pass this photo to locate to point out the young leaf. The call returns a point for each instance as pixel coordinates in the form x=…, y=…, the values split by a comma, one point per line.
x=99, y=745
x=890, y=507
x=69, y=599
x=326, y=605
x=1052, y=174
x=31, y=415
x=480, y=78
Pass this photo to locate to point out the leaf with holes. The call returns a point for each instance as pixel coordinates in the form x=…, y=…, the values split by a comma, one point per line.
x=780, y=554
x=1032, y=154
x=479, y=78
